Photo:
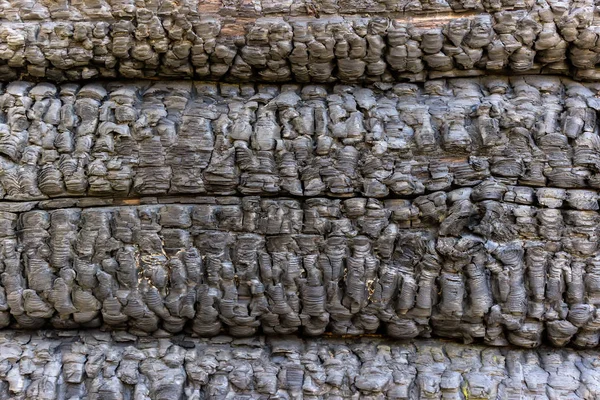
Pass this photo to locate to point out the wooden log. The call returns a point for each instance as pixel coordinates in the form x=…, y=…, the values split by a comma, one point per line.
x=135, y=139
x=464, y=264
x=288, y=43
x=81, y=10
x=101, y=365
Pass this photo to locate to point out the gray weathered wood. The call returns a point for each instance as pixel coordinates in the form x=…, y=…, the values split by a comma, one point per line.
x=132, y=139
x=97, y=365
x=482, y=264
x=78, y=10
x=194, y=42
x=365, y=171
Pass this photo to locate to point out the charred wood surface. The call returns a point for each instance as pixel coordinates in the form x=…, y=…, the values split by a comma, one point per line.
x=464, y=265
x=81, y=10
x=98, y=365
x=145, y=138
x=63, y=42
x=312, y=199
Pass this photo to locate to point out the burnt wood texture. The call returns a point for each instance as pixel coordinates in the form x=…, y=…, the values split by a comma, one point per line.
x=98, y=365
x=314, y=199
x=497, y=272
x=125, y=139
x=273, y=41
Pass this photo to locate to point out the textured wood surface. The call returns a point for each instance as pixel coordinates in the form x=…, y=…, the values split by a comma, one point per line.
x=373, y=176
x=201, y=41
x=465, y=208
x=455, y=265
x=131, y=139
x=95, y=365
x=81, y=10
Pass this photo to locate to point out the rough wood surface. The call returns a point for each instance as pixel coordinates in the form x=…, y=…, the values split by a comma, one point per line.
x=94, y=365
x=82, y=10
x=372, y=175
x=191, y=41
x=466, y=265
x=141, y=138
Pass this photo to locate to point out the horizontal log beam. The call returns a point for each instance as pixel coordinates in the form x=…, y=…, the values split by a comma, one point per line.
x=144, y=138
x=146, y=43
x=97, y=365
x=78, y=10
x=461, y=265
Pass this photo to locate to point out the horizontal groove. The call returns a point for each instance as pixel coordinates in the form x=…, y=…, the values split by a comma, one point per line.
x=424, y=18
x=417, y=17
x=519, y=195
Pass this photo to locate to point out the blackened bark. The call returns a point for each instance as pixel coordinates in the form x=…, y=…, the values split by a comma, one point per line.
x=144, y=138
x=98, y=365
x=209, y=41
x=460, y=265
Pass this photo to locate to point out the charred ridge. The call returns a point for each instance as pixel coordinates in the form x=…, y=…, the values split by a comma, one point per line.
x=144, y=138
x=18, y=11
x=193, y=42
x=103, y=365
x=451, y=265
